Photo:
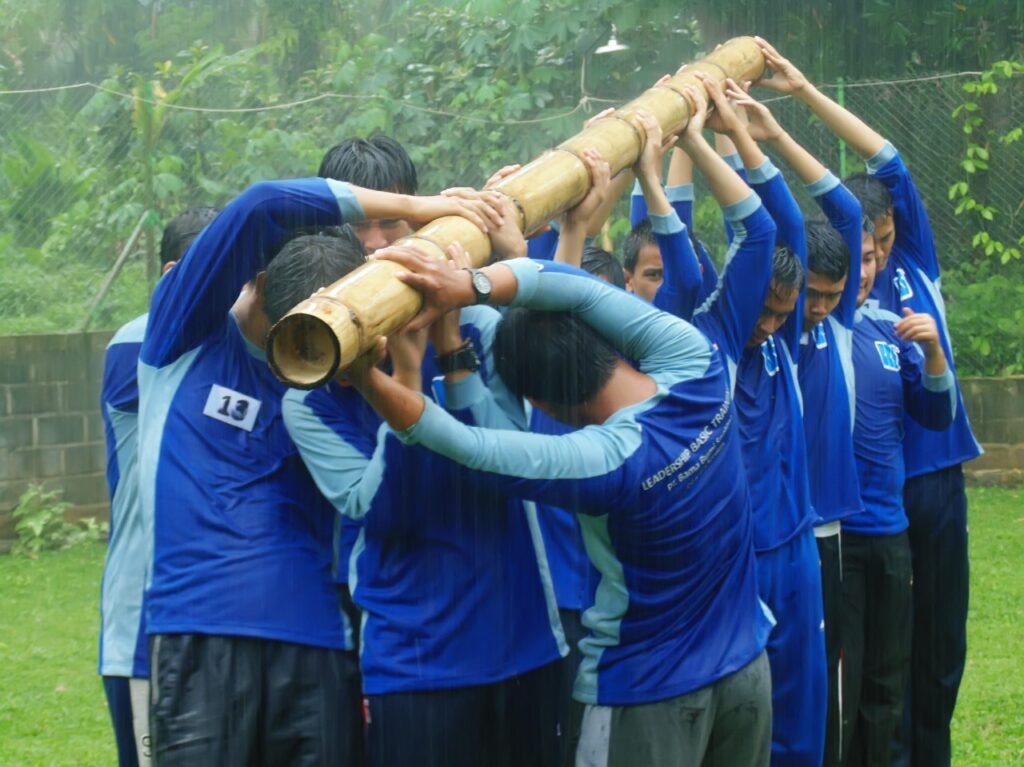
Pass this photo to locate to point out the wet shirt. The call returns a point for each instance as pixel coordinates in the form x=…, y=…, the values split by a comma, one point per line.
x=664, y=521
x=892, y=385
x=825, y=370
x=912, y=279
x=123, y=646
x=451, y=574
x=243, y=540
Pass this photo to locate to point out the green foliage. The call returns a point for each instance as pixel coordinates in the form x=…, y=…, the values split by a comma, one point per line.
x=987, y=290
x=40, y=524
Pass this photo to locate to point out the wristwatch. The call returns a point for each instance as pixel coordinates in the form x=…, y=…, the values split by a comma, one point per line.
x=481, y=284
x=463, y=358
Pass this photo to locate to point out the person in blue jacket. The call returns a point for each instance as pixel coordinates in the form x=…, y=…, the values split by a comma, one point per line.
x=243, y=616
x=123, y=650
x=461, y=641
x=835, y=247
x=901, y=372
x=936, y=505
x=755, y=315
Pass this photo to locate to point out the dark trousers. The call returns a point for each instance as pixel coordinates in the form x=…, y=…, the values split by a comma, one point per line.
x=876, y=643
x=239, y=701
x=829, y=549
x=504, y=724
x=571, y=712
x=936, y=506
x=119, y=702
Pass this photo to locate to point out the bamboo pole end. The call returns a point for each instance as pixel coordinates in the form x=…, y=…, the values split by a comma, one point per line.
x=303, y=351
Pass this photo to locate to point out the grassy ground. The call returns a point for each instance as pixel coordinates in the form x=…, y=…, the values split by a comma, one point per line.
x=52, y=710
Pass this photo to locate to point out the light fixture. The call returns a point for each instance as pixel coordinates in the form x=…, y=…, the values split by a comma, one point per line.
x=613, y=45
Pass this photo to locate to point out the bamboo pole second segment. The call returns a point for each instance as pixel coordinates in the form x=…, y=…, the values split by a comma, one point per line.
x=326, y=332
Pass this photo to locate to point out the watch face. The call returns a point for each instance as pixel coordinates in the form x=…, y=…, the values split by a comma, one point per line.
x=481, y=284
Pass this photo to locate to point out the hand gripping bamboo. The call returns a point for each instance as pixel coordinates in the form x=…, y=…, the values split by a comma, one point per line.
x=326, y=332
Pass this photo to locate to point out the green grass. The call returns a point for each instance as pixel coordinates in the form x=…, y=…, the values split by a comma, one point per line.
x=52, y=709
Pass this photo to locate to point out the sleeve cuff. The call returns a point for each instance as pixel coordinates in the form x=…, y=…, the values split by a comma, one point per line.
x=881, y=157
x=764, y=172
x=464, y=393
x=637, y=191
x=940, y=383
x=669, y=223
x=527, y=274
x=740, y=210
x=823, y=185
x=681, y=193
x=351, y=210
x=411, y=436
x=733, y=161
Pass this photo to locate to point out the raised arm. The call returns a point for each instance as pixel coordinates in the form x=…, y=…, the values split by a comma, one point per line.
x=844, y=214
x=682, y=282
x=191, y=302
x=786, y=78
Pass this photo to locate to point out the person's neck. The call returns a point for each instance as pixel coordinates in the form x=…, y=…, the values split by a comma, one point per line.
x=627, y=386
x=251, y=319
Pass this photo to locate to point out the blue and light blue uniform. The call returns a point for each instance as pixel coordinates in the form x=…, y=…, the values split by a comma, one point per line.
x=769, y=414
x=892, y=385
x=243, y=540
x=451, y=575
x=664, y=520
x=826, y=371
x=912, y=279
x=684, y=270
x=123, y=647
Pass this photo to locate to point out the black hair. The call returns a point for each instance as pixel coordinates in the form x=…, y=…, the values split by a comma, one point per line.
x=603, y=264
x=304, y=265
x=872, y=194
x=827, y=253
x=641, y=235
x=787, y=271
x=378, y=162
x=182, y=229
x=553, y=357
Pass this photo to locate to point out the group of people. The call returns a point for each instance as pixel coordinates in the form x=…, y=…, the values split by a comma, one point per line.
x=580, y=510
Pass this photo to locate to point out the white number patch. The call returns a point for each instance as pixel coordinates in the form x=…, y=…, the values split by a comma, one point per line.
x=232, y=407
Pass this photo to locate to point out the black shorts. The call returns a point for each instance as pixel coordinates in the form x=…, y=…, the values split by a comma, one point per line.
x=231, y=701
x=511, y=723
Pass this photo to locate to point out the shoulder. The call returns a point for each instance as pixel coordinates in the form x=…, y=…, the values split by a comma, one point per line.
x=131, y=332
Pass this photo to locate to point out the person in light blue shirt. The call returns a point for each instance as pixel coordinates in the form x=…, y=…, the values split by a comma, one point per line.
x=934, y=498
x=243, y=614
x=123, y=650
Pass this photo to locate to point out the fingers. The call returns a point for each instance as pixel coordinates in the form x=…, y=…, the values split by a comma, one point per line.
x=411, y=258
x=714, y=89
x=483, y=208
x=501, y=175
x=458, y=257
x=600, y=171
x=698, y=101
x=662, y=79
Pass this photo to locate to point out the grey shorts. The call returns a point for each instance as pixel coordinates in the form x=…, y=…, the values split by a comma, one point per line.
x=727, y=724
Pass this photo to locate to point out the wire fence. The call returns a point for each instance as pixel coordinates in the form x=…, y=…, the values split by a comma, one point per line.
x=83, y=165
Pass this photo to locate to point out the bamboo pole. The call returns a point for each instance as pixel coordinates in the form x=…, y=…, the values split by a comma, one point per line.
x=329, y=330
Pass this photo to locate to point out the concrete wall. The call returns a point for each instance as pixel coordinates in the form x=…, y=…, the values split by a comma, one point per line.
x=51, y=430
x=996, y=407
x=50, y=426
